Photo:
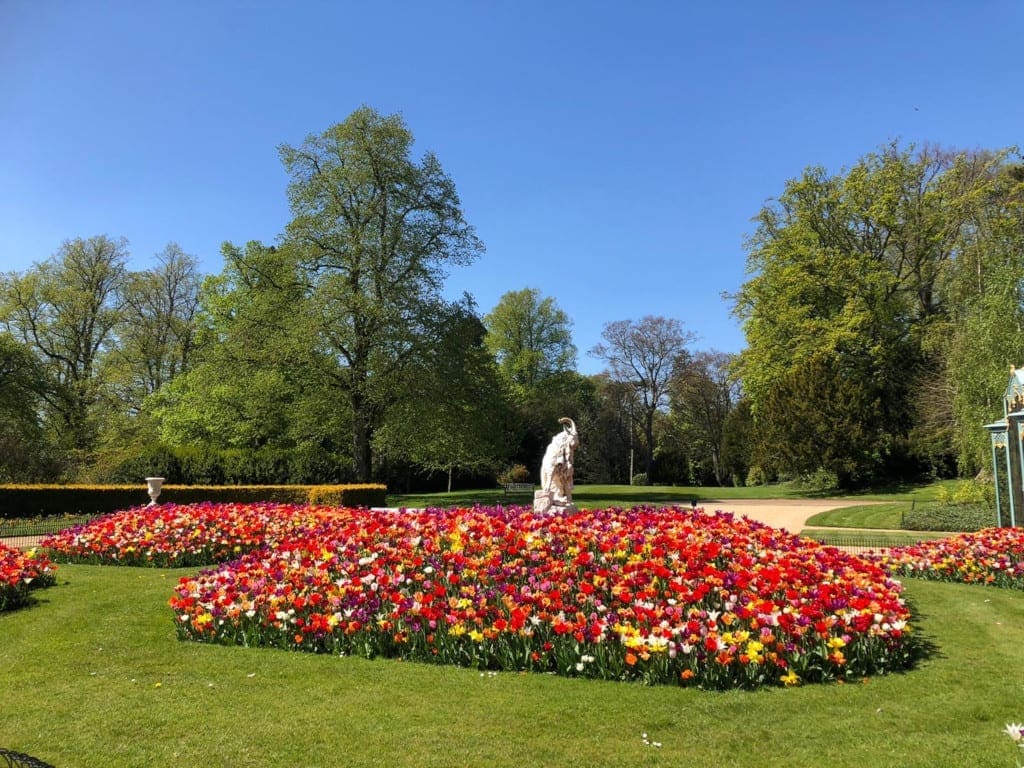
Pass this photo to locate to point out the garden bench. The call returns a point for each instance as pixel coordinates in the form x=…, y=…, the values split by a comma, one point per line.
x=512, y=488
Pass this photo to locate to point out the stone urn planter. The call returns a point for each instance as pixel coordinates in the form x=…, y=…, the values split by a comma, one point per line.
x=154, y=484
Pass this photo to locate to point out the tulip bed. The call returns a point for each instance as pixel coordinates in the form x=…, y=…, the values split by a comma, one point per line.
x=993, y=556
x=658, y=595
x=177, y=536
x=20, y=574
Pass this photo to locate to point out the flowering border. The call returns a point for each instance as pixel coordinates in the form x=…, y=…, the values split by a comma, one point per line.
x=658, y=595
x=992, y=556
x=20, y=574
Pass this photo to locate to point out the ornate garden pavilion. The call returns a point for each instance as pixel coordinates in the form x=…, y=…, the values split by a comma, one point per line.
x=1008, y=453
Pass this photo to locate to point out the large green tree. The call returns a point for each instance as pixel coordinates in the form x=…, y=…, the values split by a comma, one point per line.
x=256, y=379
x=983, y=335
x=850, y=282
x=25, y=450
x=452, y=412
x=155, y=342
x=374, y=232
x=160, y=307
x=531, y=338
x=607, y=448
x=67, y=310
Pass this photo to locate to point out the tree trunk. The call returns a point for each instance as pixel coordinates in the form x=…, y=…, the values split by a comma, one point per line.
x=361, y=440
x=716, y=465
x=649, y=435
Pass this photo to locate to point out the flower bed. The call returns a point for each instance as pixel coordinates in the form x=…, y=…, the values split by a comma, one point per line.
x=663, y=596
x=20, y=573
x=992, y=556
x=173, y=536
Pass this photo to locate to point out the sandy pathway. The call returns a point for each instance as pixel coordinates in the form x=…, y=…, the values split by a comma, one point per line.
x=790, y=514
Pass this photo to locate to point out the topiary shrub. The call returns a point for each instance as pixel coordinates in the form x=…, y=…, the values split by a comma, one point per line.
x=640, y=478
x=757, y=476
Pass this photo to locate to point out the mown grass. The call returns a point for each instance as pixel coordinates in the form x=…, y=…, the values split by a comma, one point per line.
x=93, y=676
x=886, y=516
x=911, y=516
x=591, y=496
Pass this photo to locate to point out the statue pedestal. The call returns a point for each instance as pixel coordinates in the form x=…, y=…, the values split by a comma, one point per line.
x=544, y=503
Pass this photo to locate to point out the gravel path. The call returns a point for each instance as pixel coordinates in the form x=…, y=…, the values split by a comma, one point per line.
x=790, y=514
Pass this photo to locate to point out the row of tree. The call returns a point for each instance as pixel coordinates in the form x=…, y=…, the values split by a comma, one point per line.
x=883, y=308
x=335, y=341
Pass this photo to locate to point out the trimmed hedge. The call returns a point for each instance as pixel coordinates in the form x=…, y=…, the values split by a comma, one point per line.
x=28, y=501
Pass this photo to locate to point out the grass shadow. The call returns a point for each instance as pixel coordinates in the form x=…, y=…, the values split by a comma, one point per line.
x=923, y=646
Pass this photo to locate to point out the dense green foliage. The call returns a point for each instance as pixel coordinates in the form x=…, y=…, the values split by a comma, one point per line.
x=88, y=340
x=949, y=517
x=882, y=313
x=531, y=339
x=202, y=464
x=24, y=440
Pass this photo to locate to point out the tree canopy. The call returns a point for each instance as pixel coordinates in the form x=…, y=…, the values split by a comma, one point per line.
x=374, y=233
x=858, y=286
x=883, y=306
x=67, y=310
x=531, y=338
x=644, y=354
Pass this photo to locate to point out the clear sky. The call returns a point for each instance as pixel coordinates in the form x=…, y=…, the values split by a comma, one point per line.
x=611, y=154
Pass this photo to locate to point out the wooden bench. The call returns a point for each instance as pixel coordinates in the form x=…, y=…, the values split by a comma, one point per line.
x=513, y=488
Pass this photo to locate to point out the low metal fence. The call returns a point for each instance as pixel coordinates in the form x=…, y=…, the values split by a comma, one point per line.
x=23, y=533
x=860, y=545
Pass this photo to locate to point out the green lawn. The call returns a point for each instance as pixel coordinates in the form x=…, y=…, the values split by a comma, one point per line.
x=591, y=496
x=93, y=676
x=863, y=516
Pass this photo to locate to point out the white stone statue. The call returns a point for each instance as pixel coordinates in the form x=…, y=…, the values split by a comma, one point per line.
x=556, y=470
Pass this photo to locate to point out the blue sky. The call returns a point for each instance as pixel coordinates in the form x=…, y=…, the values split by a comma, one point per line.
x=610, y=154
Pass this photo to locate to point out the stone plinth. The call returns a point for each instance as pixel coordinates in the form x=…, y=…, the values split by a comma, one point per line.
x=544, y=502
